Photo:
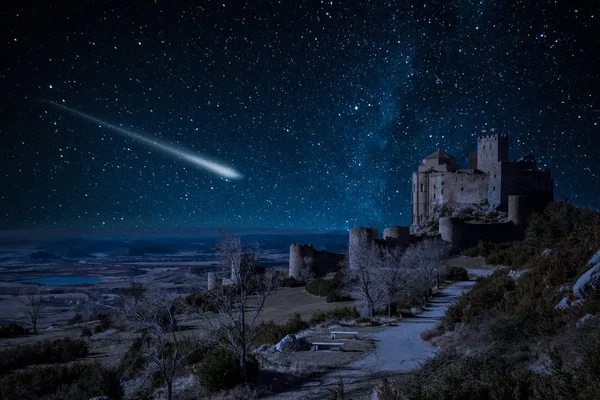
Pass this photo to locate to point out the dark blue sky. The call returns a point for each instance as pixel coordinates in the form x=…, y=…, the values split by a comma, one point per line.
x=325, y=107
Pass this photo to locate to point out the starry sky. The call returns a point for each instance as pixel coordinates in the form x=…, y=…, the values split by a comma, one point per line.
x=325, y=107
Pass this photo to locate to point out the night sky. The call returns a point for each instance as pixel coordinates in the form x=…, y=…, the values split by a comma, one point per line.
x=325, y=108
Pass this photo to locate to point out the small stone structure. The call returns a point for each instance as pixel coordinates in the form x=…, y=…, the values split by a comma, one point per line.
x=212, y=280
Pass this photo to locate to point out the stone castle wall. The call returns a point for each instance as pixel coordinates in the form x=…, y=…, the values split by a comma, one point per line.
x=465, y=234
x=320, y=261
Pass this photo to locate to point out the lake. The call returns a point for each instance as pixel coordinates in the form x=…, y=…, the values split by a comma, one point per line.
x=63, y=280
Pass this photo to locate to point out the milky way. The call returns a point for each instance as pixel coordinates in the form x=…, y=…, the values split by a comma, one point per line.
x=326, y=107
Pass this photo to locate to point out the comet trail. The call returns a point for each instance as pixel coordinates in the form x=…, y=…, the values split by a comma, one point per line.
x=193, y=159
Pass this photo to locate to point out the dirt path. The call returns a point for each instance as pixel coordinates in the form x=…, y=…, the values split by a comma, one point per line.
x=399, y=349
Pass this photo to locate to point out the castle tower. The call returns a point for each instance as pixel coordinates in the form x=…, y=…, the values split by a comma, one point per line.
x=298, y=253
x=491, y=150
x=359, y=237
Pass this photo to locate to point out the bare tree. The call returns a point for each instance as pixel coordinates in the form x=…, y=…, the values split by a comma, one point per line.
x=93, y=303
x=155, y=315
x=424, y=261
x=394, y=275
x=364, y=278
x=240, y=303
x=34, y=304
x=306, y=272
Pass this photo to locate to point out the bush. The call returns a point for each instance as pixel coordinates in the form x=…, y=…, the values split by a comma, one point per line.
x=105, y=322
x=452, y=376
x=291, y=282
x=86, y=332
x=336, y=314
x=271, y=333
x=77, y=319
x=132, y=361
x=45, y=352
x=77, y=381
x=12, y=330
x=220, y=369
x=202, y=301
x=457, y=274
x=487, y=293
x=332, y=288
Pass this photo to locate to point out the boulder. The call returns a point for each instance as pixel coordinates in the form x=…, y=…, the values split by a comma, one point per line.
x=292, y=343
x=584, y=318
x=590, y=279
x=546, y=252
x=563, y=304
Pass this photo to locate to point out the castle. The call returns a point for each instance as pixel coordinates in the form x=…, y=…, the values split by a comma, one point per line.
x=514, y=187
x=491, y=178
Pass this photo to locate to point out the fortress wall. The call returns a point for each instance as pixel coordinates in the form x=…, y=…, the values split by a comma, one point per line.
x=397, y=235
x=464, y=234
x=537, y=186
x=462, y=188
x=518, y=210
x=436, y=192
x=325, y=262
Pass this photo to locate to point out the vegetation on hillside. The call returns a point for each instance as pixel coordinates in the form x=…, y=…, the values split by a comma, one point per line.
x=510, y=338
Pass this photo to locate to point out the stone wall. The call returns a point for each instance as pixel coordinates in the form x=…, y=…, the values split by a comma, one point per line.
x=320, y=262
x=465, y=234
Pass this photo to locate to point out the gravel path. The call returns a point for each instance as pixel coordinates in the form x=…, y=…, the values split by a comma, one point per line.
x=399, y=349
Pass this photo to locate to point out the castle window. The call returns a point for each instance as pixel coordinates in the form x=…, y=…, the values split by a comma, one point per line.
x=462, y=189
x=494, y=175
x=421, y=187
x=494, y=188
x=442, y=191
x=442, y=183
x=434, y=196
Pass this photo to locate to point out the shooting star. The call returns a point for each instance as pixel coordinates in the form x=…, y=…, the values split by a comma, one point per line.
x=221, y=170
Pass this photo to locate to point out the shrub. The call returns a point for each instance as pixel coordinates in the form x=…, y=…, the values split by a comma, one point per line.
x=86, y=332
x=77, y=319
x=77, y=381
x=332, y=288
x=336, y=314
x=44, y=352
x=132, y=361
x=220, y=369
x=452, y=376
x=105, y=322
x=486, y=294
x=271, y=332
x=291, y=282
x=457, y=274
x=202, y=301
x=12, y=330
